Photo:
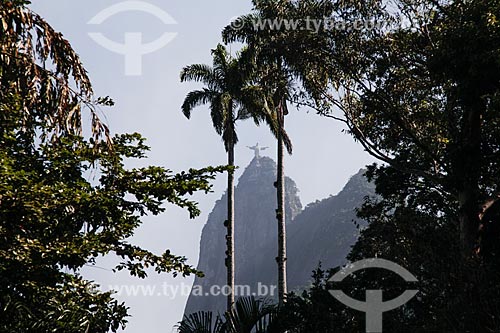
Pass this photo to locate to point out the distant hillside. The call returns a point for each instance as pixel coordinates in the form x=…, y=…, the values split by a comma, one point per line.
x=255, y=233
x=324, y=231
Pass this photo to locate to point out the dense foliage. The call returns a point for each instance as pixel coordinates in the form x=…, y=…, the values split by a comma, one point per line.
x=419, y=90
x=66, y=199
x=421, y=94
x=63, y=205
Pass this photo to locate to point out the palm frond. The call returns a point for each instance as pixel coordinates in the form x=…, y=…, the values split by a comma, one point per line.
x=242, y=29
x=221, y=60
x=287, y=142
x=217, y=114
x=200, y=73
x=201, y=322
x=270, y=118
x=255, y=103
x=196, y=98
x=249, y=315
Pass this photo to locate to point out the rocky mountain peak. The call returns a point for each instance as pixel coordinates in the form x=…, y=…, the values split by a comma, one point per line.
x=255, y=228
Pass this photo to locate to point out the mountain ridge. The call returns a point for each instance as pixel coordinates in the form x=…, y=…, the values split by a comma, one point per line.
x=323, y=231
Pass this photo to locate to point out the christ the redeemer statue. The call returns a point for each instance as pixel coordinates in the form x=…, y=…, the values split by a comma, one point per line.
x=257, y=150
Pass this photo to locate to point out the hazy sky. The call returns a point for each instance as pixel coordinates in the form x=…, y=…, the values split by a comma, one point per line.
x=323, y=159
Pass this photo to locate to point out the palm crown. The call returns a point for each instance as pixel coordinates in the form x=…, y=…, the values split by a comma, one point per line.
x=229, y=92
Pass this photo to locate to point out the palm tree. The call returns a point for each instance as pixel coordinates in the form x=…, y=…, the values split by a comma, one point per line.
x=268, y=63
x=284, y=64
x=231, y=97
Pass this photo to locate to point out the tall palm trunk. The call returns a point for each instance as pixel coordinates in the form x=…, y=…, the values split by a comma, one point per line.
x=280, y=214
x=230, y=223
